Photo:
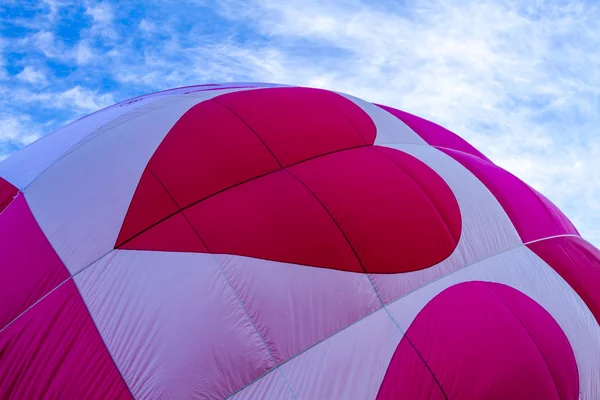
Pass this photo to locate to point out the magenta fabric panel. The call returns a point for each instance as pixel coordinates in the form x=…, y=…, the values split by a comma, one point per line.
x=556, y=214
x=548, y=337
x=408, y=377
x=578, y=263
x=484, y=340
x=29, y=267
x=54, y=351
x=534, y=217
x=433, y=133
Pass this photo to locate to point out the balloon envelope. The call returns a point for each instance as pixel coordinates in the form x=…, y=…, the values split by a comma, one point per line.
x=255, y=241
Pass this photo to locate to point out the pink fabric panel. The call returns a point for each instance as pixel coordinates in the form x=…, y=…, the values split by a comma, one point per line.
x=578, y=263
x=295, y=306
x=485, y=340
x=173, y=325
x=54, y=351
x=533, y=216
x=433, y=133
x=29, y=267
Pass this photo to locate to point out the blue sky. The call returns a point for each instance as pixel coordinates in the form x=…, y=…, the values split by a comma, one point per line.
x=518, y=79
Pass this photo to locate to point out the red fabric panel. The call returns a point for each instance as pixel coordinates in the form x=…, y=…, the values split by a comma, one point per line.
x=434, y=187
x=173, y=234
x=433, y=133
x=578, y=263
x=361, y=121
x=150, y=204
x=533, y=216
x=273, y=217
x=29, y=267
x=7, y=193
x=390, y=222
x=209, y=149
x=300, y=123
x=54, y=351
x=487, y=341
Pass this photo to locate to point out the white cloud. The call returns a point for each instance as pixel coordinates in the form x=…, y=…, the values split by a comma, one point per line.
x=75, y=100
x=45, y=42
x=147, y=26
x=83, y=53
x=17, y=130
x=101, y=13
x=32, y=76
x=81, y=99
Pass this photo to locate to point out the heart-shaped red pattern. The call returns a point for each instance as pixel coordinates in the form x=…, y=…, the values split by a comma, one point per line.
x=292, y=175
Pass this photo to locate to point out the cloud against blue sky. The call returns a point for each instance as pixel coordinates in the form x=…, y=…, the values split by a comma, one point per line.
x=518, y=79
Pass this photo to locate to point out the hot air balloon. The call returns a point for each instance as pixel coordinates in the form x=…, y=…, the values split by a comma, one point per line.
x=258, y=241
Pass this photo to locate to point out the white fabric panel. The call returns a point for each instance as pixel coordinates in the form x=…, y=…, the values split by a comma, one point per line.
x=349, y=365
x=523, y=270
x=271, y=386
x=389, y=128
x=296, y=306
x=22, y=167
x=173, y=324
x=486, y=229
x=81, y=201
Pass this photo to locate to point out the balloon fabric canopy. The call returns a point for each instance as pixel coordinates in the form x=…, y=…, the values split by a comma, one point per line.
x=258, y=241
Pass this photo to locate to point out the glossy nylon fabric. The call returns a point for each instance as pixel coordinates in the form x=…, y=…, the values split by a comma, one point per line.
x=258, y=241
